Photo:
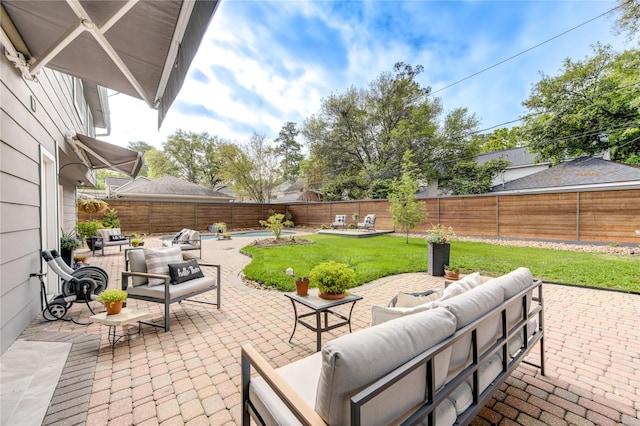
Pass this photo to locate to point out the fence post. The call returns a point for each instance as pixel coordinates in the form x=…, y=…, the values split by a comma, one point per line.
x=577, y=216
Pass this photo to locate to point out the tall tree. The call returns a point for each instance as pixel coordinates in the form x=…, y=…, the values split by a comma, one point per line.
x=629, y=19
x=406, y=212
x=159, y=164
x=185, y=149
x=290, y=151
x=143, y=148
x=592, y=106
x=501, y=139
x=362, y=133
x=467, y=177
x=212, y=163
x=253, y=170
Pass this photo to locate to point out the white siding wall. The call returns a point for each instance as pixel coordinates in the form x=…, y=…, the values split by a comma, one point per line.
x=23, y=134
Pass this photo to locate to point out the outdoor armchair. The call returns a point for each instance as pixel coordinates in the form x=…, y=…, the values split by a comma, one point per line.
x=163, y=276
x=368, y=223
x=340, y=221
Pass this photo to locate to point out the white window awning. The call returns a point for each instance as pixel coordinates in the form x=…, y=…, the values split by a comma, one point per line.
x=139, y=47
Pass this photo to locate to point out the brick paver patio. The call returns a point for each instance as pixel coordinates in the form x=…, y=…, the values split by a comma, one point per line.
x=191, y=375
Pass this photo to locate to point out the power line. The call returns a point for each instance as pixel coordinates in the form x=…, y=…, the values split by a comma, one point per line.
x=529, y=49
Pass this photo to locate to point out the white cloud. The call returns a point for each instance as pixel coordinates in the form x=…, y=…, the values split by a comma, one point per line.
x=265, y=63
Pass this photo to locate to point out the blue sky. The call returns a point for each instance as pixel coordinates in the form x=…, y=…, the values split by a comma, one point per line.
x=263, y=63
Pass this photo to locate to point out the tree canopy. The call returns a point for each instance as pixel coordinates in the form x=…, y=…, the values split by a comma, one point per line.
x=592, y=106
x=363, y=134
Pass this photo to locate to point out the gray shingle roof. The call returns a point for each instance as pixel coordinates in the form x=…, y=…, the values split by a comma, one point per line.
x=516, y=156
x=169, y=185
x=583, y=171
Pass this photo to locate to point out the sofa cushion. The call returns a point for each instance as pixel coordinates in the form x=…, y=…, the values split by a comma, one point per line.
x=406, y=300
x=117, y=237
x=381, y=314
x=137, y=263
x=158, y=260
x=184, y=271
x=462, y=396
x=184, y=236
x=351, y=362
x=185, y=289
x=179, y=234
x=301, y=375
x=464, y=284
x=468, y=307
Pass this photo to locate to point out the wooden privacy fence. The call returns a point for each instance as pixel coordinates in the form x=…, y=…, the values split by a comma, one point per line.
x=594, y=216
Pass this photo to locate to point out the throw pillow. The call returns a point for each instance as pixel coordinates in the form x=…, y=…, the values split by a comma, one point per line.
x=158, y=261
x=179, y=234
x=185, y=271
x=380, y=314
x=409, y=300
x=117, y=237
x=464, y=284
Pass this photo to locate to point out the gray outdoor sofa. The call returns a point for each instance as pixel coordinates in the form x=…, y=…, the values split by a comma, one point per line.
x=436, y=364
x=110, y=237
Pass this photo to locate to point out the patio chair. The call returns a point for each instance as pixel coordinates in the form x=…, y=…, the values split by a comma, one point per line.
x=186, y=239
x=340, y=221
x=163, y=276
x=369, y=223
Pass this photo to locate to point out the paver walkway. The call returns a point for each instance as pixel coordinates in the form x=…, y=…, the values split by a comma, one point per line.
x=191, y=375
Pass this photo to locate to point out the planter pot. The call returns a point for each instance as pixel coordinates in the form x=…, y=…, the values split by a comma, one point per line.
x=330, y=296
x=113, y=308
x=437, y=256
x=67, y=256
x=302, y=287
x=89, y=243
x=452, y=276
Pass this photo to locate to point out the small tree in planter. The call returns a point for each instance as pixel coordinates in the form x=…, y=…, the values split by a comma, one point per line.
x=332, y=279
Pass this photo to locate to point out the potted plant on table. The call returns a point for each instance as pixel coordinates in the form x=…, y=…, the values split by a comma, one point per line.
x=302, y=283
x=113, y=300
x=438, y=248
x=452, y=272
x=332, y=279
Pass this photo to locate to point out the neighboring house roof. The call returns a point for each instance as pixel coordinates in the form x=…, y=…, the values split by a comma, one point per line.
x=140, y=180
x=116, y=181
x=303, y=196
x=581, y=172
x=169, y=187
x=518, y=157
x=297, y=186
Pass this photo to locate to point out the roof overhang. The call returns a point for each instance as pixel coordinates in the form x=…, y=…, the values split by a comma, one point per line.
x=139, y=47
x=97, y=154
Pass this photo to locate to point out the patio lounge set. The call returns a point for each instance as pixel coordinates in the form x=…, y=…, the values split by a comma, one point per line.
x=368, y=224
x=436, y=363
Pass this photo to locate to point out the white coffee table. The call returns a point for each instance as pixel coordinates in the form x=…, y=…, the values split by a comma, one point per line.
x=126, y=316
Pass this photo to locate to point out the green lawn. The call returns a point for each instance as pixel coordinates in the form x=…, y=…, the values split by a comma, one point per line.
x=377, y=257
